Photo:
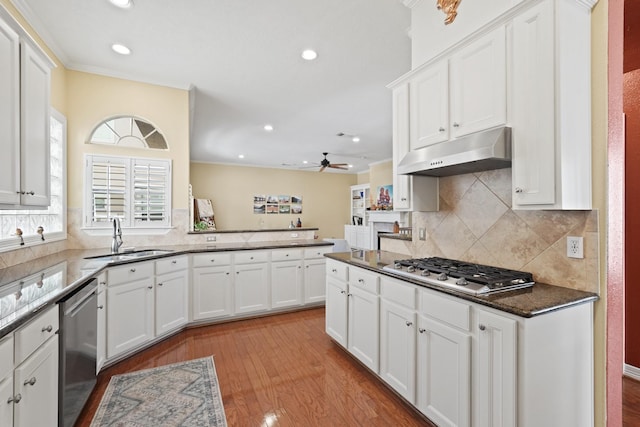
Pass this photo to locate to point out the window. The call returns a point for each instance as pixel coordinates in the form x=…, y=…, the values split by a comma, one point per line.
x=53, y=219
x=135, y=190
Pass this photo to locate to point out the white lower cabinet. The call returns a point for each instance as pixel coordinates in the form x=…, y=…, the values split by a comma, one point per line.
x=171, y=304
x=29, y=373
x=251, y=285
x=101, y=330
x=437, y=351
x=212, y=292
x=286, y=283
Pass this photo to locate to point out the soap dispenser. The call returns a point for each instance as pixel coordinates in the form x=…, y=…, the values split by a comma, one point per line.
x=299, y=223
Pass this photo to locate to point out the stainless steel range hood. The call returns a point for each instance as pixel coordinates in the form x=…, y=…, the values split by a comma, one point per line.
x=480, y=151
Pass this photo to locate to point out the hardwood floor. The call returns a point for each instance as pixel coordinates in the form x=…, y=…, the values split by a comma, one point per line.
x=280, y=370
x=630, y=402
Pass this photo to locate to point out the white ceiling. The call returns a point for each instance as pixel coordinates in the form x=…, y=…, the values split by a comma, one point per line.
x=242, y=57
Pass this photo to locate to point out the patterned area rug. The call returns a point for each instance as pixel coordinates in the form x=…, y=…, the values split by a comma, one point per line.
x=182, y=394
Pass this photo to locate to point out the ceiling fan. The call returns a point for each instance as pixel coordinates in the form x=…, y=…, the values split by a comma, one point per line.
x=325, y=163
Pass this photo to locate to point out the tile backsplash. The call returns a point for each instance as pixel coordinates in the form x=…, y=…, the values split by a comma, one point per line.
x=476, y=224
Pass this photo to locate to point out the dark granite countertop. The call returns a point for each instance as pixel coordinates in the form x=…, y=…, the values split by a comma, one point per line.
x=539, y=299
x=29, y=287
x=397, y=236
x=258, y=230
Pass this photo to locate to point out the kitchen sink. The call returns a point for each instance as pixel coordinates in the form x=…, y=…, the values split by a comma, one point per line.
x=126, y=256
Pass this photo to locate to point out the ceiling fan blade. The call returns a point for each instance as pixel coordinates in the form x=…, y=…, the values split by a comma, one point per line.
x=340, y=164
x=322, y=168
x=344, y=168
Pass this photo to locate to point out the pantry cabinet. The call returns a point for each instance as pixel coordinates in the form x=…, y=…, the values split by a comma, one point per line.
x=24, y=120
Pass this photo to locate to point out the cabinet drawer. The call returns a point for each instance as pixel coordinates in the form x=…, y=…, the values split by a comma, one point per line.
x=364, y=280
x=211, y=259
x=445, y=310
x=398, y=292
x=337, y=269
x=169, y=265
x=6, y=356
x=130, y=273
x=317, y=252
x=286, y=254
x=32, y=335
x=249, y=257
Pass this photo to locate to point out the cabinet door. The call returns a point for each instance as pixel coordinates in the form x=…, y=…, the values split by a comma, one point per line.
x=363, y=237
x=534, y=165
x=212, y=292
x=314, y=280
x=286, y=283
x=479, y=85
x=129, y=316
x=171, y=304
x=401, y=183
x=251, y=288
x=444, y=373
x=6, y=398
x=34, y=129
x=9, y=115
x=497, y=371
x=363, y=333
x=101, y=332
x=429, y=106
x=336, y=311
x=36, y=380
x=398, y=348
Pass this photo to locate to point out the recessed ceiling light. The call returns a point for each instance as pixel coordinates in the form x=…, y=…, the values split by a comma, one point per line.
x=268, y=128
x=350, y=166
x=124, y=4
x=356, y=139
x=241, y=156
x=309, y=54
x=121, y=49
x=304, y=162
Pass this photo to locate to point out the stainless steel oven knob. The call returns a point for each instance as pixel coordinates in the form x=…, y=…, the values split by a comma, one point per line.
x=462, y=281
x=411, y=269
x=397, y=265
x=442, y=276
x=425, y=273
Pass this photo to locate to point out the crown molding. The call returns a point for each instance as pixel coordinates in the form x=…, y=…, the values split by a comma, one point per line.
x=411, y=3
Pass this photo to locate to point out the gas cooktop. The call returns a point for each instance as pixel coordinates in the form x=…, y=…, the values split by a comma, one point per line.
x=462, y=276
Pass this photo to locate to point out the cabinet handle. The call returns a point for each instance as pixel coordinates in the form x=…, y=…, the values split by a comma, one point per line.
x=30, y=381
x=30, y=193
x=404, y=199
x=227, y=273
x=360, y=280
x=456, y=125
x=213, y=260
x=15, y=399
x=482, y=327
x=284, y=255
x=251, y=258
x=159, y=284
x=519, y=190
x=408, y=323
x=103, y=283
x=349, y=295
x=333, y=270
x=174, y=262
x=422, y=330
x=133, y=270
x=149, y=287
x=48, y=328
x=441, y=130
x=100, y=307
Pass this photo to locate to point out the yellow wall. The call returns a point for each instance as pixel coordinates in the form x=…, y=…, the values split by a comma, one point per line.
x=93, y=98
x=325, y=196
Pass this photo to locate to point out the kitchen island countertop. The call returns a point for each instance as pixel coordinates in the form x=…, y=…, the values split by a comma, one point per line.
x=539, y=299
x=29, y=287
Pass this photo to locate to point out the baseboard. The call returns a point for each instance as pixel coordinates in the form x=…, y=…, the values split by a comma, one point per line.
x=631, y=372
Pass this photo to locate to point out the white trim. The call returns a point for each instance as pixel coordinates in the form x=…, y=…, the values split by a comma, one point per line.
x=62, y=119
x=128, y=231
x=631, y=372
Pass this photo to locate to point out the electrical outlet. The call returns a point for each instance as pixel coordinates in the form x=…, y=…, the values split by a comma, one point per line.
x=422, y=233
x=211, y=238
x=574, y=247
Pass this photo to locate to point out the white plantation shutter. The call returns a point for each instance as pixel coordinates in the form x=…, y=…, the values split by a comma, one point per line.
x=138, y=191
x=150, y=191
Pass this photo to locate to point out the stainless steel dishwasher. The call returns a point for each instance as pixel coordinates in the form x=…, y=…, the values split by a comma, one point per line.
x=78, y=351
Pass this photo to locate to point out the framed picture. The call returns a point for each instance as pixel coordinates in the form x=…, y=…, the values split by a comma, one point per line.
x=296, y=209
x=296, y=199
x=284, y=209
x=384, y=197
x=272, y=209
x=284, y=199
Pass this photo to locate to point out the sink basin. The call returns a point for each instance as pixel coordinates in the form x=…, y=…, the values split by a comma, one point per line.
x=125, y=256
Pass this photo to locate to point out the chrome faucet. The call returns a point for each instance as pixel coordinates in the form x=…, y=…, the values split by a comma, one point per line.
x=117, y=236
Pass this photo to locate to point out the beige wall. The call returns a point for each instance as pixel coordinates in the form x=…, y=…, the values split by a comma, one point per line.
x=325, y=196
x=380, y=174
x=93, y=98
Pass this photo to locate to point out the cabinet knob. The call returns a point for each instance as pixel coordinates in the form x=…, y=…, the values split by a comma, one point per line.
x=103, y=283
x=422, y=330
x=408, y=323
x=349, y=295
x=251, y=258
x=333, y=270
x=100, y=307
x=133, y=270
x=227, y=273
x=149, y=287
x=30, y=381
x=48, y=328
x=482, y=327
x=519, y=190
x=404, y=199
x=15, y=399
x=441, y=130
x=213, y=260
x=159, y=284
x=343, y=292
x=456, y=125
x=360, y=280
x=174, y=262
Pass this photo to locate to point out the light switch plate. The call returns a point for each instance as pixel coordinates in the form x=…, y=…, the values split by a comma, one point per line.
x=422, y=233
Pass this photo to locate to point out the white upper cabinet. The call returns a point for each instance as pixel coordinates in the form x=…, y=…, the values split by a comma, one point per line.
x=25, y=74
x=429, y=106
x=9, y=114
x=551, y=114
